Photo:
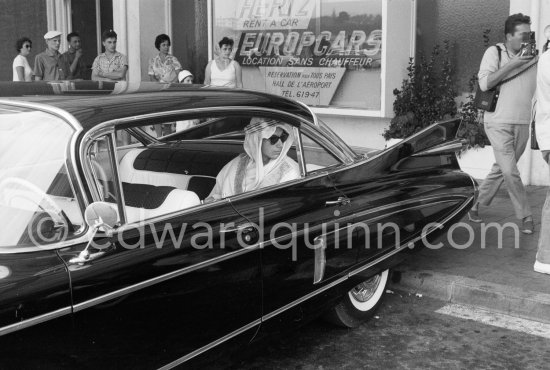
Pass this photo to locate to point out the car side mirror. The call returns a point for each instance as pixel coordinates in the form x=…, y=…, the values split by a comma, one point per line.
x=101, y=216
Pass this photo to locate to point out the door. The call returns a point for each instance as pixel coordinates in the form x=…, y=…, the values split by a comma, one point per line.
x=39, y=213
x=303, y=229
x=173, y=285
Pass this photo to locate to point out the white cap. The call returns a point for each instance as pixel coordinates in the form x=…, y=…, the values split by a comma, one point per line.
x=183, y=74
x=51, y=34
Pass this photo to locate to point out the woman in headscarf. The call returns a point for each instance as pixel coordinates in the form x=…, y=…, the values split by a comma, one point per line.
x=264, y=163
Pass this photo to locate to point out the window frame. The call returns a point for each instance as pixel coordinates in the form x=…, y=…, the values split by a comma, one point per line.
x=110, y=127
x=81, y=235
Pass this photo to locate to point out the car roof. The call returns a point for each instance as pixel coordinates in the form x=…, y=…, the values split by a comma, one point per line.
x=94, y=102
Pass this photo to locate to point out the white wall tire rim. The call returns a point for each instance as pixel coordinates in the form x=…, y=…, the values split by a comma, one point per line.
x=373, y=297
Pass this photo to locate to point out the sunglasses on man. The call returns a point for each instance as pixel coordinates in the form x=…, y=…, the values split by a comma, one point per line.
x=274, y=138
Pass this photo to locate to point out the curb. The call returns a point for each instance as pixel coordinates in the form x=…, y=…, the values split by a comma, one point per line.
x=495, y=297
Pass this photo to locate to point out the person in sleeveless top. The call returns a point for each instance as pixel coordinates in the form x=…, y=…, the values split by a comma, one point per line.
x=264, y=163
x=22, y=71
x=223, y=71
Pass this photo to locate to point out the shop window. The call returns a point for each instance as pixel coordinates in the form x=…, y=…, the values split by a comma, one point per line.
x=325, y=53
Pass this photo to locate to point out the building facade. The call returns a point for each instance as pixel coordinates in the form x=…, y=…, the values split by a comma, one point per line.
x=344, y=58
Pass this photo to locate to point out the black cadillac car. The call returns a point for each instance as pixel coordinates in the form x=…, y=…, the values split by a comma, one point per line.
x=109, y=252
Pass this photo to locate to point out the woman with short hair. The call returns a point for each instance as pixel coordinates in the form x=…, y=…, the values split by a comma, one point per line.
x=22, y=70
x=164, y=67
x=224, y=71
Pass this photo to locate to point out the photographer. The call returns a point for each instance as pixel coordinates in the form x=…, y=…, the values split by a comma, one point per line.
x=508, y=126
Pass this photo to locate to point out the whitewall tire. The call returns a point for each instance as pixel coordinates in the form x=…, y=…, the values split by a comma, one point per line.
x=360, y=303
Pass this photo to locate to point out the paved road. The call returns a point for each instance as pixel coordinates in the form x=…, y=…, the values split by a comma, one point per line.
x=409, y=334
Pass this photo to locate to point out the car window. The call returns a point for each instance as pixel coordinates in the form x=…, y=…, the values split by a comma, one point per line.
x=101, y=161
x=316, y=156
x=37, y=198
x=178, y=172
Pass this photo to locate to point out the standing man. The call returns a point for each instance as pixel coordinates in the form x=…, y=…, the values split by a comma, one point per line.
x=73, y=58
x=542, y=121
x=508, y=126
x=48, y=65
x=110, y=65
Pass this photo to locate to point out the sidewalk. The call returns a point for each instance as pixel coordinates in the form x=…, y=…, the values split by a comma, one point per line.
x=502, y=279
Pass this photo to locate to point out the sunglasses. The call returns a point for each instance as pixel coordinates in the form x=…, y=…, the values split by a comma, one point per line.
x=27, y=46
x=274, y=138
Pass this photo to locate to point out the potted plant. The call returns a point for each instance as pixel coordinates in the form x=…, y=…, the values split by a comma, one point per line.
x=426, y=96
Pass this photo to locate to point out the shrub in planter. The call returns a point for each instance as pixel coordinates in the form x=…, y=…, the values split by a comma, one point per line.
x=426, y=96
x=471, y=127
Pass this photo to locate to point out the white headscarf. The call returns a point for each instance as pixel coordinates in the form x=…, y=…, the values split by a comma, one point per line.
x=255, y=132
x=247, y=171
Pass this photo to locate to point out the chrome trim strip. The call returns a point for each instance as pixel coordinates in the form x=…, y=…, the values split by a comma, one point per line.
x=300, y=152
x=35, y=320
x=304, y=298
x=210, y=345
x=449, y=146
x=84, y=238
x=159, y=279
x=428, y=200
x=401, y=248
x=320, y=259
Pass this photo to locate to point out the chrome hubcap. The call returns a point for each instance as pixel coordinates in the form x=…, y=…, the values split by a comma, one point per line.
x=364, y=291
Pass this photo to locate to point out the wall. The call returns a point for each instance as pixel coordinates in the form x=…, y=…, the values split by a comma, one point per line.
x=190, y=29
x=365, y=132
x=398, y=24
x=462, y=23
x=153, y=22
x=20, y=18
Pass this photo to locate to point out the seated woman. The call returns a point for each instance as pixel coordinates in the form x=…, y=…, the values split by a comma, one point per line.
x=265, y=162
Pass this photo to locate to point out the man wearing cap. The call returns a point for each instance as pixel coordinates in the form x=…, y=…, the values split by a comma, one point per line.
x=48, y=65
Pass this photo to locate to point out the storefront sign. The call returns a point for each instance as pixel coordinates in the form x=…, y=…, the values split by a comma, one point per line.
x=274, y=14
x=303, y=52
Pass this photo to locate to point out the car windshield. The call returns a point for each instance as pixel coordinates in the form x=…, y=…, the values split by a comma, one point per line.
x=37, y=202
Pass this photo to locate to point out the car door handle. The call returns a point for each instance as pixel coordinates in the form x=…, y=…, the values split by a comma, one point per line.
x=246, y=227
x=342, y=201
x=86, y=257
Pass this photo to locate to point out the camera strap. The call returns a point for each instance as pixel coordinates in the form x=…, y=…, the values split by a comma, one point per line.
x=529, y=66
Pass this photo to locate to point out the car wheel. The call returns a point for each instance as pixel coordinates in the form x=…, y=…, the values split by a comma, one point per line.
x=360, y=303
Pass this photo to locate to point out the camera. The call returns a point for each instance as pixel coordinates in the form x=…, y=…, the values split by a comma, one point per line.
x=528, y=45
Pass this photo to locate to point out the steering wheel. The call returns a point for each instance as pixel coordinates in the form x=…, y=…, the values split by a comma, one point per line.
x=53, y=210
x=35, y=189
